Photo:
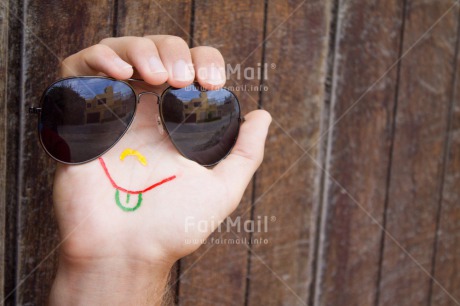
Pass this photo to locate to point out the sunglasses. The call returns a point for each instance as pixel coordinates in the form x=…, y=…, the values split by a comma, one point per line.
x=81, y=118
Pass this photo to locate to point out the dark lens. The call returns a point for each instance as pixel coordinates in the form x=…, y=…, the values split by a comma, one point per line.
x=83, y=117
x=202, y=124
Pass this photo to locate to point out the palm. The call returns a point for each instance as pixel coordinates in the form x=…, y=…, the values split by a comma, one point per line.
x=93, y=225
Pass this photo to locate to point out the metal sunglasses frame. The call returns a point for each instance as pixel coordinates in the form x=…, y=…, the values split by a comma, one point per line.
x=138, y=96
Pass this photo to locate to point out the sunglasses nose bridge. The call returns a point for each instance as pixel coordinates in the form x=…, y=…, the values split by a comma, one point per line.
x=148, y=93
x=159, y=122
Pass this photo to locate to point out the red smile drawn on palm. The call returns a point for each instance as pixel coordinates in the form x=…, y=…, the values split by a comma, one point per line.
x=131, y=191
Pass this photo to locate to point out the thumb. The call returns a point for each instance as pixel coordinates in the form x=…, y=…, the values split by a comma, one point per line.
x=237, y=169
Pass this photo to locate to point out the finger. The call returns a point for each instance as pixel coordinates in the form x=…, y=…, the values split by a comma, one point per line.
x=95, y=60
x=143, y=54
x=240, y=165
x=209, y=67
x=175, y=55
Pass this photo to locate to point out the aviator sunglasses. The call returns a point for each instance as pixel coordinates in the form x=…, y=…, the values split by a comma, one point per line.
x=81, y=118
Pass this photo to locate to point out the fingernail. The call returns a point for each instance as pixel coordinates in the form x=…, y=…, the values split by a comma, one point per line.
x=181, y=71
x=121, y=63
x=156, y=66
x=214, y=77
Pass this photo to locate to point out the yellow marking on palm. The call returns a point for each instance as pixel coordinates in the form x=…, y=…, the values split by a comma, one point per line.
x=140, y=157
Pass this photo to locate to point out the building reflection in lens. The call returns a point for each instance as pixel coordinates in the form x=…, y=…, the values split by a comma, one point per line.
x=202, y=124
x=88, y=115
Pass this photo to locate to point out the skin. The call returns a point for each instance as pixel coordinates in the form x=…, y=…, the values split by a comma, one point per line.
x=111, y=257
x=123, y=197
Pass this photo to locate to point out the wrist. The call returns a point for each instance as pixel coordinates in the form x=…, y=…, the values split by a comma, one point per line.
x=109, y=281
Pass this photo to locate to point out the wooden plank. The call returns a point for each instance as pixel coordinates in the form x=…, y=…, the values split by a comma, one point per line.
x=445, y=290
x=3, y=136
x=367, y=43
x=52, y=32
x=216, y=273
x=12, y=102
x=447, y=264
x=287, y=189
x=421, y=122
x=150, y=17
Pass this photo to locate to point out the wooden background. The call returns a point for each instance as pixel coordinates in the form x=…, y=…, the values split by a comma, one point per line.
x=362, y=166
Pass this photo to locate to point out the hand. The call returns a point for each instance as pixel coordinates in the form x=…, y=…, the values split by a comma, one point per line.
x=109, y=255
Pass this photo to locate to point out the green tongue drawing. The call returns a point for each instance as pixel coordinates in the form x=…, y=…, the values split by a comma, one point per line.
x=126, y=205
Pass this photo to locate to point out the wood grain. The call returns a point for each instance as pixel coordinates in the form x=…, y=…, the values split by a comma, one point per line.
x=447, y=263
x=3, y=136
x=216, y=274
x=367, y=41
x=52, y=31
x=13, y=106
x=287, y=189
x=150, y=17
x=446, y=280
x=425, y=88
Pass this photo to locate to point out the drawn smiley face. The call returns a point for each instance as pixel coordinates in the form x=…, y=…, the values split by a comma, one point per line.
x=128, y=204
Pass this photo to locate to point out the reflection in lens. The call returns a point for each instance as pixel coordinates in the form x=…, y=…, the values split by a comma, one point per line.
x=202, y=124
x=83, y=117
